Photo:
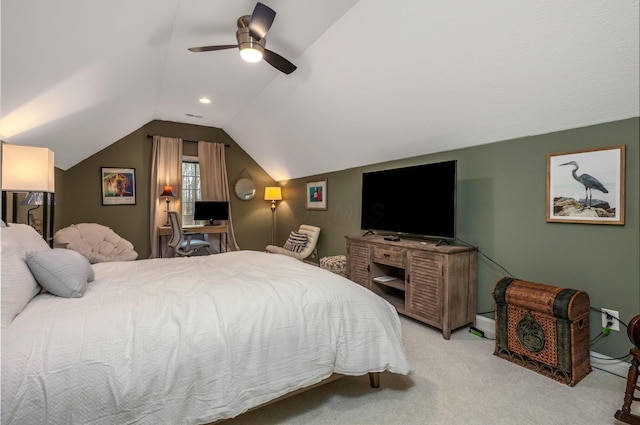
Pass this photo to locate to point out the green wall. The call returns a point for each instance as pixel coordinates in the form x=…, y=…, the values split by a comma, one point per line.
x=82, y=199
x=501, y=210
x=501, y=197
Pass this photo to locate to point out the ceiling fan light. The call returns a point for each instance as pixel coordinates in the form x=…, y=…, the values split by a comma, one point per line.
x=251, y=55
x=251, y=50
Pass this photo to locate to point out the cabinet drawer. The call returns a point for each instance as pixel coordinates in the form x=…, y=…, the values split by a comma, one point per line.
x=388, y=255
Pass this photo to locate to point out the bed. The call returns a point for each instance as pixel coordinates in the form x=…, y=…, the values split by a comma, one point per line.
x=177, y=340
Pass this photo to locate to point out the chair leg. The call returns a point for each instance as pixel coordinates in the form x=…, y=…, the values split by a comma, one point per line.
x=625, y=414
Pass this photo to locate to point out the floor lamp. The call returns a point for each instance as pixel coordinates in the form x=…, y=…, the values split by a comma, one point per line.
x=29, y=169
x=273, y=194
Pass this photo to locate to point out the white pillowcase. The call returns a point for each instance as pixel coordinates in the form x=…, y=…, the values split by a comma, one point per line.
x=29, y=239
x=18, y=284
x=63, y=272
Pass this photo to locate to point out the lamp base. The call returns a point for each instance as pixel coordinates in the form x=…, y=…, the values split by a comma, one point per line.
x=273, y=225
x=167, y=211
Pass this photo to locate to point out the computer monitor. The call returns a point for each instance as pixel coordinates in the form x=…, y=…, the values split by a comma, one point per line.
x=211, y=211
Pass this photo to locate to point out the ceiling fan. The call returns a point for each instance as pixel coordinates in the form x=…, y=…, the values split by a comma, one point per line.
x=251, y=36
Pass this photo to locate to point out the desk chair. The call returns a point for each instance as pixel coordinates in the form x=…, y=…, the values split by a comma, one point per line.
x=183, y=243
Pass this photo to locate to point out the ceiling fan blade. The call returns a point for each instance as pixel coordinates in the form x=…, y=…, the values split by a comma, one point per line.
x=211, y=48
x=278, y=62
x=261, y=20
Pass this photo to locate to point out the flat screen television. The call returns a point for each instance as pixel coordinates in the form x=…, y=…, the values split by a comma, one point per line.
x=211, y=211
x=418, y=200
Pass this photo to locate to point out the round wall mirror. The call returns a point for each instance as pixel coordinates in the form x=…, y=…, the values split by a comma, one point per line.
x=245, y=188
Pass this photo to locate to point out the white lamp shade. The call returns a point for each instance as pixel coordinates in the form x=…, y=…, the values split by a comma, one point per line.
x=272, y=194
x=27, y=169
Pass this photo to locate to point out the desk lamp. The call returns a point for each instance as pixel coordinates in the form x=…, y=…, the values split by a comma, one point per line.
x=167, y=193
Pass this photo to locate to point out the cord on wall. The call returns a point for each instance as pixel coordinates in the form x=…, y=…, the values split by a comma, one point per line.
x=486, y=256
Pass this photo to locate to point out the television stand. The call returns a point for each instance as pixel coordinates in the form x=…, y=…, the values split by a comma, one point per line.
x=443, y=242
x=433, y=284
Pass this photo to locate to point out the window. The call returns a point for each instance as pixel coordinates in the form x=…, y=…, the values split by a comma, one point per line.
x=191, y=190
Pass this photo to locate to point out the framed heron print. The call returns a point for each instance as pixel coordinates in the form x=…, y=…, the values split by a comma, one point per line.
x=586, y=186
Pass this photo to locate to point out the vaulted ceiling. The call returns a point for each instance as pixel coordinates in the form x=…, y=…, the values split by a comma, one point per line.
x=376, y=80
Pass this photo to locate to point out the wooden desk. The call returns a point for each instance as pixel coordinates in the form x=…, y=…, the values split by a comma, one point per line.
x=205, y=230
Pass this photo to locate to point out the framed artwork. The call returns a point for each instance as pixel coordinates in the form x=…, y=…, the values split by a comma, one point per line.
x=317, y=195
x=118, y=186
x=586, y=186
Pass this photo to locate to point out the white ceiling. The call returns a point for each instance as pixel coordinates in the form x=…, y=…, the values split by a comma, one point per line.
x=376, y=80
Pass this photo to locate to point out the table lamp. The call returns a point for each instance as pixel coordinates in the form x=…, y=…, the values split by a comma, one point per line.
x=29, y=169
x=167, y=193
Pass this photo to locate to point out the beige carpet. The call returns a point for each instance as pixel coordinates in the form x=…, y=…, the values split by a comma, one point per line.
x=458, y=381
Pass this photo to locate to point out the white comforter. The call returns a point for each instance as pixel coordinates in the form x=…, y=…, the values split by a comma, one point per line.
x=190, y=340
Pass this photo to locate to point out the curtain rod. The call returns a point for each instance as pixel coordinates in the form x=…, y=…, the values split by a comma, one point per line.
x=226, y=145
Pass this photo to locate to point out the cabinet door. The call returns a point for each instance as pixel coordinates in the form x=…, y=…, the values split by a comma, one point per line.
x=358, y=263
x=424, y=289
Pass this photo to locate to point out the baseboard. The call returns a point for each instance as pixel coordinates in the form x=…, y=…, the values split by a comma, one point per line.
x=600, y=361
x=486, y=325
x=609, y=364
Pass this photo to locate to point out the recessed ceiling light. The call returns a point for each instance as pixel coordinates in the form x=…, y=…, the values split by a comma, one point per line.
x=205, y=100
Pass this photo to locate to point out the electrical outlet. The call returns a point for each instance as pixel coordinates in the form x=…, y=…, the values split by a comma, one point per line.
x=615, y=324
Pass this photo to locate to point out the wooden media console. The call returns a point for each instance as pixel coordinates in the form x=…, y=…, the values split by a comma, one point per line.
x=435, y=284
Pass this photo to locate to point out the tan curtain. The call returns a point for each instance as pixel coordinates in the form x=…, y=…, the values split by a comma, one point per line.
x=166, y=168
x=214, y=182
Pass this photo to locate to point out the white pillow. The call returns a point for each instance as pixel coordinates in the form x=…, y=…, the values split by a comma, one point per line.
x=63, y=272
x=29, y=239
x=18, y=284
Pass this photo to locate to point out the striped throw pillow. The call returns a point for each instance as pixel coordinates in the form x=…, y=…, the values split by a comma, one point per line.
x=296, y=242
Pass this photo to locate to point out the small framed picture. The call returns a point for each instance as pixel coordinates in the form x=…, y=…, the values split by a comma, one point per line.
x=118, y=186
x=317, y=195
x=586, y=186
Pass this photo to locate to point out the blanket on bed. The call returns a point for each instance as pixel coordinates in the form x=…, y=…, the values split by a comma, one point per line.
x=190, y=340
